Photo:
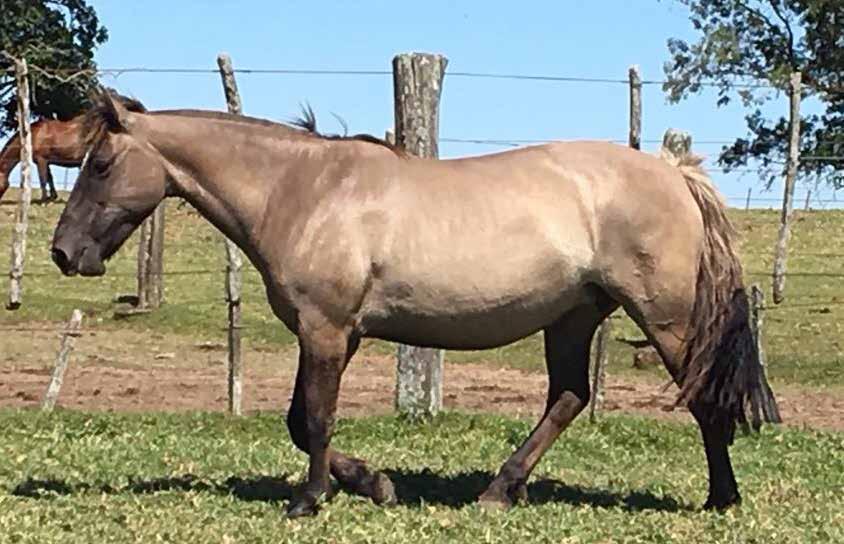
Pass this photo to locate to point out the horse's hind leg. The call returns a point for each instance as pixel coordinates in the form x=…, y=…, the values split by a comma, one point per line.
x=45, y=180
x=665, y=321
x=567, y=344
x=323, y=356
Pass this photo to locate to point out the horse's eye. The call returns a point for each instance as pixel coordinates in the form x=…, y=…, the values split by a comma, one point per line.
x=101, y=166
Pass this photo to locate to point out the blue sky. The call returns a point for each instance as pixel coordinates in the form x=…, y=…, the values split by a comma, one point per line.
x=566, y=38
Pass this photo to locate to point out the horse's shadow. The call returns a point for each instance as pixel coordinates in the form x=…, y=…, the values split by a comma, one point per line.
x=458, y=490
x=258, y=488
x=413, y=488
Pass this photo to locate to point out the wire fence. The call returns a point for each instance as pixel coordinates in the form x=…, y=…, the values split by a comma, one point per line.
x=69, y=74
x=817, y=199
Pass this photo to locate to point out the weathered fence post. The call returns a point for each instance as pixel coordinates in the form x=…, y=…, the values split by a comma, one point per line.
x=808, y=199
x=234, y=260
x=417, y=86
x=151, y=260
x=747, y=203
x=600, y=354
x=757, y=309
x=678, y=142
x=600, y=345
x=25, y=195
x=788, y=193
x=634, y=138
x=65, y=347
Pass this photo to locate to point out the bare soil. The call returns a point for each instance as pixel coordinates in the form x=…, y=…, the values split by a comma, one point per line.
x=121, y=370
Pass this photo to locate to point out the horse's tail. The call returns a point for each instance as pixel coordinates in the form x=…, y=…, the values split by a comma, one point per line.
x=721, y=370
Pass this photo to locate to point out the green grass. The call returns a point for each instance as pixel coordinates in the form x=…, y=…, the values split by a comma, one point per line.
x=803, y=336
x=76, y=477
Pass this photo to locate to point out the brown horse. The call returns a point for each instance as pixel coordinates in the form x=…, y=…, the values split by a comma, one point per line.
x=355, y=239
x=54, y=142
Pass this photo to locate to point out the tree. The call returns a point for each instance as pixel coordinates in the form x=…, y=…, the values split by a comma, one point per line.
x=747, y=50
x=57, y=38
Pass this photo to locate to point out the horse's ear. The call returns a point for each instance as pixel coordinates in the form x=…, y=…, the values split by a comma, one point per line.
x=116, y=116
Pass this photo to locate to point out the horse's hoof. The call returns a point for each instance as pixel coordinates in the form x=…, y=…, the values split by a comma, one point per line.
x=383, y=491
x=302, y=507
x=719, y=504
x=494, y=501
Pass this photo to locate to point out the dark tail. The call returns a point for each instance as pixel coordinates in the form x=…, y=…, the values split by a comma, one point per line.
x=722, y=371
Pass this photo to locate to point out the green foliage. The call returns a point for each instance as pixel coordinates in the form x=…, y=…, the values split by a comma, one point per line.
x=57, y=36
x=76, y=477
x=744, y=43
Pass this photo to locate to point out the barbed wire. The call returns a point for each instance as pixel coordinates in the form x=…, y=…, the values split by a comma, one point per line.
x=67, y=73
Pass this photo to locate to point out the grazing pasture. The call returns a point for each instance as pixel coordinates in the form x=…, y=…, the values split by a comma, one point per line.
x=198, y=477
x=81, y=476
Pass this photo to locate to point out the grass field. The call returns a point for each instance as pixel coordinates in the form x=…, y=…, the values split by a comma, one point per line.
x=75, y=477
x=79, y=477
x=803, y=336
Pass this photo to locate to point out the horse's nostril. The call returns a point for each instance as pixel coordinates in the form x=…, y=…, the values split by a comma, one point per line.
x=60, y=258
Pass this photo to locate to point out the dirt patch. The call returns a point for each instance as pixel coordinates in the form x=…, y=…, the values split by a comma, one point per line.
x=119, y=370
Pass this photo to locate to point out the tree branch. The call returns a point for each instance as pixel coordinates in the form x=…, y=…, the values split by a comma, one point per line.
x=791, y=57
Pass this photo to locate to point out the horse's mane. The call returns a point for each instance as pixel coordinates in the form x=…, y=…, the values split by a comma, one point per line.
x=99, y=118
x=307, y=122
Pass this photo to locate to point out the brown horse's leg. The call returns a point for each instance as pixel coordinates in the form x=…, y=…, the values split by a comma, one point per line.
x=567, y=345
x=4, y=185
x=53, y=195
x=43, y=179
x=322, y=359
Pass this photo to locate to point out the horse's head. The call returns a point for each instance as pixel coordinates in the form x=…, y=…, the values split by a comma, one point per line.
x=121, y=181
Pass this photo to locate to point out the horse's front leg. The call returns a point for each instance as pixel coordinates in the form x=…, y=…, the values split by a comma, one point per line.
x=324, y=352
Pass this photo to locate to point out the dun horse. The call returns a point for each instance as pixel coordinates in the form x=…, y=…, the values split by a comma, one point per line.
x=355, y=239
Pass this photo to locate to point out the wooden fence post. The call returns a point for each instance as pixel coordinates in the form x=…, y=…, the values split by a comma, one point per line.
x=757, y=309
x=808, y=200
x=65, y=347
x=25, y=195
x=678, y=142
x=747, y=203
x=600, y=354
x=417, y=86
x=234, y=261
x=600, y=344
x=788, y=194
x=634, y=138
x=151, y=260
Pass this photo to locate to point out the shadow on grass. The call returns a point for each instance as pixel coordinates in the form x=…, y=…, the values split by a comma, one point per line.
x=259, y=488
x=413, y=488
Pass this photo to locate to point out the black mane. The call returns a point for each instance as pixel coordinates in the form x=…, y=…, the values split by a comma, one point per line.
x=307, y=122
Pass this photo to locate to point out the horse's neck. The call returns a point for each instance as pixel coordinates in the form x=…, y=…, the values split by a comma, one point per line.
x=229, y=180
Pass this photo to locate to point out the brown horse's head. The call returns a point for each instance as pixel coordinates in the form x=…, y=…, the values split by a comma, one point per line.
x=120, y=183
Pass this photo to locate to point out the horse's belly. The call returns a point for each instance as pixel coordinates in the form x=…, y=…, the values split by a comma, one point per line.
x=461, y=321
